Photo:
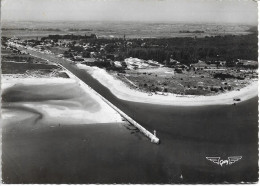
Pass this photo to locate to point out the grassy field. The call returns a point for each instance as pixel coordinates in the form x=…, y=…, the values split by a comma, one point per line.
x=191, y=82
x=25, y=64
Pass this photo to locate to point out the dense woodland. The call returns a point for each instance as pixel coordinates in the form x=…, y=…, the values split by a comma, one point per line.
x=186, y=50
x=190, y=50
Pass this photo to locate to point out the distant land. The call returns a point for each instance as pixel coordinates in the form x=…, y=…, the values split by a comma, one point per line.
x=111, y=29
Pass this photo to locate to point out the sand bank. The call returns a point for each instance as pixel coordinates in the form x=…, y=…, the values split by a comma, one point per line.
x=53, y=101
x=122, y=91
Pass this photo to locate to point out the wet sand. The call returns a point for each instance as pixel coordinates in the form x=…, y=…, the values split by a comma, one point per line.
x=55, y=100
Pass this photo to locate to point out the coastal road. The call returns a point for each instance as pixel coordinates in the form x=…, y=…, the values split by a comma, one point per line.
x=188, y=135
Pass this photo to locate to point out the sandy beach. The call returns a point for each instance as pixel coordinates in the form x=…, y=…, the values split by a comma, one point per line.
x=124, y=92
x=53, y=101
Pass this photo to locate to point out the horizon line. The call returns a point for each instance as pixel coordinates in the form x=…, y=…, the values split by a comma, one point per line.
x=135, y=21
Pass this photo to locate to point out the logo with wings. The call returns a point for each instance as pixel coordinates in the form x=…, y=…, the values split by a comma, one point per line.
x=221, y=162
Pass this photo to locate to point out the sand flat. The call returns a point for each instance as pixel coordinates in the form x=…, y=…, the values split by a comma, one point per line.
x=54, y=101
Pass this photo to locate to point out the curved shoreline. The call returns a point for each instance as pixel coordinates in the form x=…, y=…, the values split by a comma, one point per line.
x=122, y=91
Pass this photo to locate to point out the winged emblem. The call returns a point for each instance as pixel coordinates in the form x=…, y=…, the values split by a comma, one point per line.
x=234, y=159
x=221, y=162
x=214, y=159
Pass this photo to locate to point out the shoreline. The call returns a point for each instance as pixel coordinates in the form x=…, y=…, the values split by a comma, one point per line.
x=49, y=98
x=124, y=92
x=148, y=134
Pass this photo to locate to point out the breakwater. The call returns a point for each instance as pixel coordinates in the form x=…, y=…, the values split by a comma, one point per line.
x=151, y=136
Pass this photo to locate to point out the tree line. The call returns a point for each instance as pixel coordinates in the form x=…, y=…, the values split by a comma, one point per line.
x=190, y=50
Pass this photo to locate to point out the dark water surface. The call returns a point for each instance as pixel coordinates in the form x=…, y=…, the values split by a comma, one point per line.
x=113, y=153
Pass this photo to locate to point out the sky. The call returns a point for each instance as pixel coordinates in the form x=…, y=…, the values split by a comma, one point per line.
x=215, y=11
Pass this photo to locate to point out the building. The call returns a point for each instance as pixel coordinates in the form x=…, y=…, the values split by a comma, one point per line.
x=200, y=65
x=247, y=63
x=118, y=64
x=178, y=70
x=212, y=66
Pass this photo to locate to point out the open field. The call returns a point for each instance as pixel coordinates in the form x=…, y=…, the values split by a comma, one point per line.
x=199, y=82
x=24, y=65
